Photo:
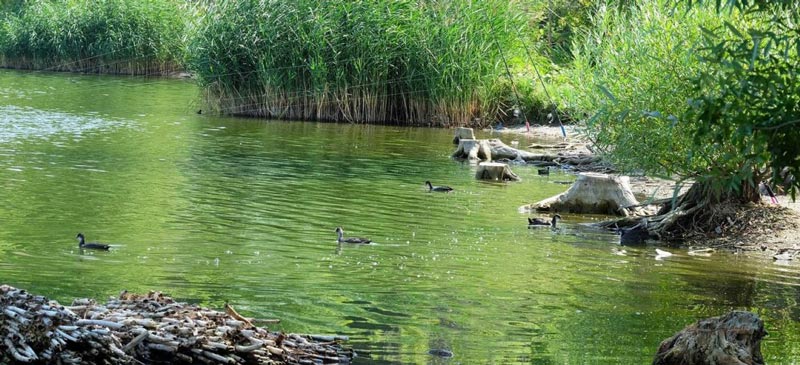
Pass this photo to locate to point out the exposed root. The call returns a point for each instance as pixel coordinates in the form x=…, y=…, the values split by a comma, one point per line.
x=697, y=218
x=678, y=223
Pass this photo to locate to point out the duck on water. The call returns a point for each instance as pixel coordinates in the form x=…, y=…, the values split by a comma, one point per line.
x=443, y=189
x=92, y=246
x=341, y=239
x=539, y=222
x=544, y=171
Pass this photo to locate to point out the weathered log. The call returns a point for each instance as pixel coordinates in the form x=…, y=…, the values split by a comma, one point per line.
x=501, y=150
x=473, y=150
x=734, y=338
x=495, y=171
x=593, y=193
x=463, y=133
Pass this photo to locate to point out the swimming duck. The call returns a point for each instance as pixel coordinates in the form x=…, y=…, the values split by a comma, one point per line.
x=341, y=238
x=444, y=189
x=544, y=171
x=539, y=222
x=93, y=245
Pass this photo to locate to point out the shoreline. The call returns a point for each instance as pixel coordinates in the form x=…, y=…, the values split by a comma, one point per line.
x=767, y=228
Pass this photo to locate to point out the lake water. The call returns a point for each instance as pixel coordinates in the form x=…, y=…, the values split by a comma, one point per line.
x=211, y=209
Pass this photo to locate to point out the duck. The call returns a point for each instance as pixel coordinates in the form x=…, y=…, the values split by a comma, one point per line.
x=93, y=246
x=544, y=171
x=443, y=189
x=539, y=222
x=341, y=238
x=440, y=353
x=635, y=235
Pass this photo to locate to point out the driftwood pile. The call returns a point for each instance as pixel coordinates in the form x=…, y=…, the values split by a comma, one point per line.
x=146, y=329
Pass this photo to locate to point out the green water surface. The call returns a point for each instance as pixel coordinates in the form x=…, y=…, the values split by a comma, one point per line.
x=211, y=209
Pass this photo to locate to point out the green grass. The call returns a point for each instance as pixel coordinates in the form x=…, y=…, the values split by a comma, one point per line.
x=99, y=36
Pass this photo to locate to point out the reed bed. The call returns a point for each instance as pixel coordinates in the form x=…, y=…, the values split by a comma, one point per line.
x=94, y=36
x=404, y=62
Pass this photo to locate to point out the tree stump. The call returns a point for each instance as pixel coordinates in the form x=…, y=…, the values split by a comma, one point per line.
x=495, y=171
x=593, y=193
x=463, y=133
x=473, y=150
x=731, y=339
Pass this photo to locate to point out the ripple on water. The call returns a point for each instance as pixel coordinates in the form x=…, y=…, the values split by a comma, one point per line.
x=23, y=123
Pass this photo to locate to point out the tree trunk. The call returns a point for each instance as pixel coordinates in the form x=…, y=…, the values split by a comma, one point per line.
x=495, y=171
x=732, y=339
x=751, y=193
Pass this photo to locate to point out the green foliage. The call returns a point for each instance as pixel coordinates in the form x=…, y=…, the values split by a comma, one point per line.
x=695, y=92
x=114, y=36
x=632, y=74
x=747, y=101
x=391, y=61
x=11, y=5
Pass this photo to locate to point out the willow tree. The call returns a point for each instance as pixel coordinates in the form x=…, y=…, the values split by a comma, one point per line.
x=720, y=110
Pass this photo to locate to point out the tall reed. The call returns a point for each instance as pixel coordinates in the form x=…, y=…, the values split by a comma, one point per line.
x=102, y=36
x=388, y=61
